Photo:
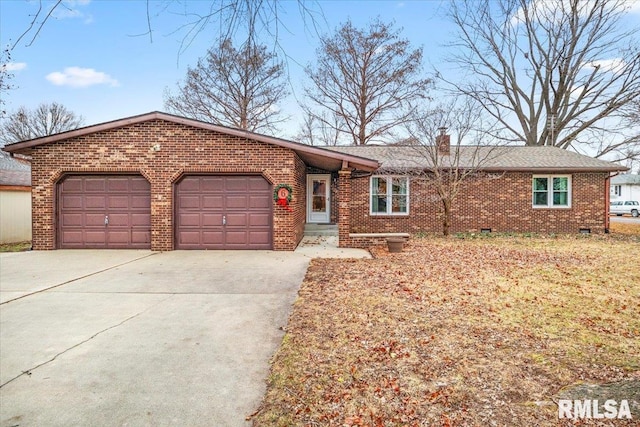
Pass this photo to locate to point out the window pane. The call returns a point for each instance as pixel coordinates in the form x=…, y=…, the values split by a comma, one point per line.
x=540, y=184
x=399, y=204
x=399, y=185
x=560, y=198
x=379, y=185
x=560, y=184
x=378, y=204
x=319, y=187
x=540, y=199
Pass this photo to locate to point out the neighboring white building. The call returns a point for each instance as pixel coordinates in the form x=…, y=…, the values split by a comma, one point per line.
x=15, y=199
x=625, y=187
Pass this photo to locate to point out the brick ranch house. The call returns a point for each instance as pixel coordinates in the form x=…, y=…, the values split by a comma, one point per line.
x=164, y=182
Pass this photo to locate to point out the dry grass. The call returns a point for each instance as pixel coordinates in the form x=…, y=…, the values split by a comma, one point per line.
x=457, y=332
x=625, y=228
x=15, y=247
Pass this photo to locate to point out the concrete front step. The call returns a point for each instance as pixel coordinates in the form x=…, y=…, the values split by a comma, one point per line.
x=320, y=229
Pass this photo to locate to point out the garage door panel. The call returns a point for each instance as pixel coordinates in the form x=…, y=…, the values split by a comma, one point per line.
x=259, y=220
x=211, y=184
x=94, y=184
x=85, y=201
x=94, y=219
x=258, y=184
x=212, y=237
x=119, y=238
x=140, y=201
x=189, y=238
x=237, y=237
x=72, y=184
x=237, y=184
x=94, y=237
x=95, y=202
x=189, y=202
x=212, y=202
x=139, y=220
x=237, y=201
x=211, y=219
x=140, y=237
x=119, y=220
x=260, y=237
x=72, y=236
x=190, y=185
x=118, y=185
x=237, y=220
x=71, y=201
x=260, y=202
x=139, y=185
x=234, y=198
x=189, y=220
x=72, y=220
x=122, y=201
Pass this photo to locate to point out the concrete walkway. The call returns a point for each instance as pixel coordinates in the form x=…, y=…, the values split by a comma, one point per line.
x=327, y=247
x=135, y=338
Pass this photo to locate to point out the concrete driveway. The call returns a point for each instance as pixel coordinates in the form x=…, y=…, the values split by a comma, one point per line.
x=135, y=338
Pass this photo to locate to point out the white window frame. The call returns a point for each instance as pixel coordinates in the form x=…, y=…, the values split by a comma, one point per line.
x=550, y=204
x=617, y=190
x=389, y=179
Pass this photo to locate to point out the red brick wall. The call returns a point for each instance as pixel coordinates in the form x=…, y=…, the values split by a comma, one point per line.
x=183, y=150
x=503, y=204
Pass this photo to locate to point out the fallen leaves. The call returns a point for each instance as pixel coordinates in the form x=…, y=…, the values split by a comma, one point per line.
x=456, y=333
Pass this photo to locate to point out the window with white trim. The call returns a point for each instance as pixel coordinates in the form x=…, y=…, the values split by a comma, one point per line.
x=551, y=191
x=617, y=190
x=389, y=195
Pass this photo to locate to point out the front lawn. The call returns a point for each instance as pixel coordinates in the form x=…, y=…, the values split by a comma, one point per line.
x=458, y=332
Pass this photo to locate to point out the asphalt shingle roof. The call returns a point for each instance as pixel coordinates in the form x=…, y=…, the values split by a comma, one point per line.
x=13, y=171
x=492, y=158
x=626, y=179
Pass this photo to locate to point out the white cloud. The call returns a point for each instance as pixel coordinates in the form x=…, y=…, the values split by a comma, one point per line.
x=70, y=9
x=552, y=9
x=81, y=77
x=633, y=6
x=14, y=66
x=614, y=65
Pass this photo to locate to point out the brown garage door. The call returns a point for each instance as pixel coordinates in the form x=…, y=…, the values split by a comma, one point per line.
x=223, y=212
x=97, y=211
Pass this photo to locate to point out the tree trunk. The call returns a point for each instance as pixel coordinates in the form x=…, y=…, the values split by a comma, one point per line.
x=446, y=219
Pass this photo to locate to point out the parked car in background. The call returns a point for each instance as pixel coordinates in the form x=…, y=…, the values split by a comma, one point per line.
x=621, y=207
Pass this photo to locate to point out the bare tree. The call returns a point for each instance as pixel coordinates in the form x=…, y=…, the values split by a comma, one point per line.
x=313, y=131
x=552, y=72
x=231, y=18
x=46, y=119
x=369, y=79
x=5, y=78
x=239, y=88
x=432, y=160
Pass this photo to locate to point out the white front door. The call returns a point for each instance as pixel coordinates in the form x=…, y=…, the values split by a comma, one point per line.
x=318, y=203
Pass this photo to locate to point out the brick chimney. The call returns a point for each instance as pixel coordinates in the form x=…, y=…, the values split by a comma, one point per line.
x=443, y=142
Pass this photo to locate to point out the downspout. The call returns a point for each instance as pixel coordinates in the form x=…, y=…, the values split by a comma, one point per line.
x=607, y=201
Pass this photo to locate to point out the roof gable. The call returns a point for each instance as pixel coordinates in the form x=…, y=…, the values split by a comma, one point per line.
x=314, y=156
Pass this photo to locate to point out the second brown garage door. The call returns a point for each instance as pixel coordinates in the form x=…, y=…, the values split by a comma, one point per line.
x=223, y=212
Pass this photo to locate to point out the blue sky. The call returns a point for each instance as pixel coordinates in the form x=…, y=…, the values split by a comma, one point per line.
x=90, y=57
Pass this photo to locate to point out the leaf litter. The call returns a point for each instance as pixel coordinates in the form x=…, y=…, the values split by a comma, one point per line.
x=458, y=332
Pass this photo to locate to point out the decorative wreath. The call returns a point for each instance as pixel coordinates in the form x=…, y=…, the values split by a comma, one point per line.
x=276, y=192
